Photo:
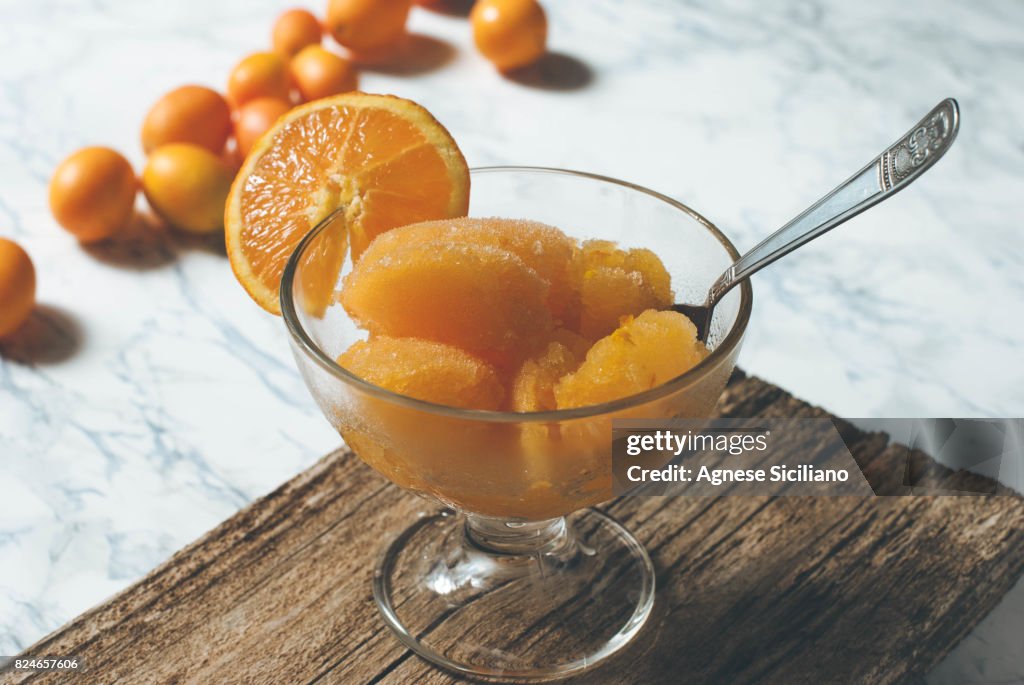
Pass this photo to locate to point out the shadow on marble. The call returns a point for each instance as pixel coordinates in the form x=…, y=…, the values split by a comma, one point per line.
x=417, y=54
x=147, y=243
x=211, y=243
x=50, y=336
x=453, y=8
x=142, y=245
x=554, y=71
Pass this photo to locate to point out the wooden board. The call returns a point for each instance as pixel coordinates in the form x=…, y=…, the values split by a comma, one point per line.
x=783, y=590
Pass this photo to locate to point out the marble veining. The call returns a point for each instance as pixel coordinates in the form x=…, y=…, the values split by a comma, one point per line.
x=148, y=398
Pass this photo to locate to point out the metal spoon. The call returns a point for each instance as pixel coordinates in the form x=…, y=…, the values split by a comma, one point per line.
x=887, y=174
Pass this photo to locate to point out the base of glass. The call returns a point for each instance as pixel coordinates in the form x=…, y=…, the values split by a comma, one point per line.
x=515, y=600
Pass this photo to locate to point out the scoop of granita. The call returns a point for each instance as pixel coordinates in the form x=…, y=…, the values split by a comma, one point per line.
x=479, y=298
x=545, y=249
x=426, y=370
x=642, y=353
x=610, y=283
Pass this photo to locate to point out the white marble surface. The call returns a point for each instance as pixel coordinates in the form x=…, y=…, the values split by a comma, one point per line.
x=158, y=399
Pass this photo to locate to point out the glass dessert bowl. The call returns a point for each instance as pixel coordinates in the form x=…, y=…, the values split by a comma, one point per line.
x=516, y=578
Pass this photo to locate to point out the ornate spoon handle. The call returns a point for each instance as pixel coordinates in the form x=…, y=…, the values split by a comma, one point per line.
x=890, y=172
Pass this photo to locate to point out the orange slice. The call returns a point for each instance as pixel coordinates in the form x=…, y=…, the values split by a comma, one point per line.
x=386, y=160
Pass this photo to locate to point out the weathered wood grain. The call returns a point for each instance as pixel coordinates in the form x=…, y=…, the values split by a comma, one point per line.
x=766, y=590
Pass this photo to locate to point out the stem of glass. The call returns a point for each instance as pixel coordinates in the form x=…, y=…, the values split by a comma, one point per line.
x=550, y=537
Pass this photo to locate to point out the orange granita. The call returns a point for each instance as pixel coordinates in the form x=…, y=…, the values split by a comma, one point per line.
x=642, y=353
x=479, y=298
x=543, y=248
x=485, y=286
x=575, y=342
x=426, y=370
x=612, y=283
x=533, y=386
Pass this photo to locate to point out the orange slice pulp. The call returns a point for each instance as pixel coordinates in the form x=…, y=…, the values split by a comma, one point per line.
x=384, y=159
